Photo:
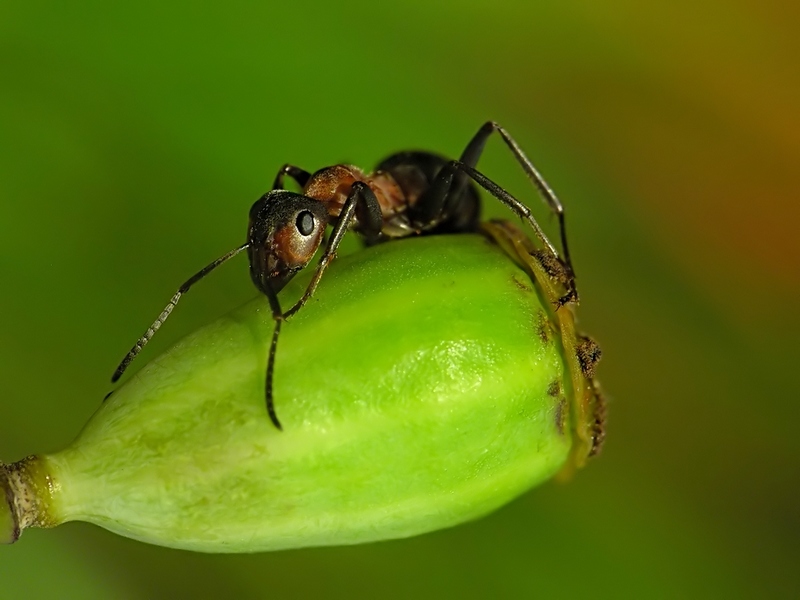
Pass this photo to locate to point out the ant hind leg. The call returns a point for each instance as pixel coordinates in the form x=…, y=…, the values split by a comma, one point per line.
x=548, y=258
x=473, y=152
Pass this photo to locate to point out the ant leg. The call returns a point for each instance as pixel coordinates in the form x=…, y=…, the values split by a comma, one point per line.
x=273, y=347
x=555, y=266
x=296, y=173
x=436, y=201
x=503, y=196
x=148, y=335
x=371, y=221
x=473, y=152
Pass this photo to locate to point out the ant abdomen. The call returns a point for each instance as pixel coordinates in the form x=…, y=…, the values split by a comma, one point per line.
x=416, y=174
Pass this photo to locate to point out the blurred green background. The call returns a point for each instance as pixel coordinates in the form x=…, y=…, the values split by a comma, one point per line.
x=135, y=136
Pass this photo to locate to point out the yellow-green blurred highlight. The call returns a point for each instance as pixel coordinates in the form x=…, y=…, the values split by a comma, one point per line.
x=135, y=138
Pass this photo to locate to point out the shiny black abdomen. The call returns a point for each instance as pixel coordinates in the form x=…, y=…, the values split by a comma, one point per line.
x=415, y=173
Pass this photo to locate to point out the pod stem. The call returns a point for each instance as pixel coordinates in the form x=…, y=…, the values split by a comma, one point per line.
x=20, y=501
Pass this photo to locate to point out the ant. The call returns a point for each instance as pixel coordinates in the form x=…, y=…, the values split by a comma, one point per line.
x=408, y=193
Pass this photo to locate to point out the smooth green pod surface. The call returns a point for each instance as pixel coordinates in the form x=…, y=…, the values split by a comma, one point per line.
x=421, y=387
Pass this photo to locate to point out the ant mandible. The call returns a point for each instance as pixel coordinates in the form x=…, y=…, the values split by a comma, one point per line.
x=409, y=193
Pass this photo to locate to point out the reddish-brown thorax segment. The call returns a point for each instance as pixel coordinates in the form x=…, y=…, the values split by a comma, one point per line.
x=332, y=186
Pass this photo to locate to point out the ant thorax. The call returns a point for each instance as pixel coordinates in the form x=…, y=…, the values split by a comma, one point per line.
x=332, y=186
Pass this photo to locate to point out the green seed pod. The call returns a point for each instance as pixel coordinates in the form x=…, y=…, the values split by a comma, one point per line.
x=424, y=385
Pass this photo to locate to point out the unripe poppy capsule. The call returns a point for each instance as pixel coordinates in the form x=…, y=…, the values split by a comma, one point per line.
x=424, y=385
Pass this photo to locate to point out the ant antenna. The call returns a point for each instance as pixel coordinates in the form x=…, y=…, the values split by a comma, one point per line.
x=148, y=335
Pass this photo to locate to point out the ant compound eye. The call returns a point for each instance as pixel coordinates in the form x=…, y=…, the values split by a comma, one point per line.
x=305, y=223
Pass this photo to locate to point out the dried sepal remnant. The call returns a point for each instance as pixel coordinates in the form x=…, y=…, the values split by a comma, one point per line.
x=557, y=273
x=556, y=390
x=9, y=523
x=599, y=419
x=24, y=495
x=544, y=327
x=588, y=353
x=555, y=283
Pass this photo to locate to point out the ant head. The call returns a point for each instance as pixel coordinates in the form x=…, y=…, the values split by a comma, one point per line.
x=285, y=231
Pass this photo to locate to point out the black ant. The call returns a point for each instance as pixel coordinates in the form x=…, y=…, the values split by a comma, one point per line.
x=409, y=193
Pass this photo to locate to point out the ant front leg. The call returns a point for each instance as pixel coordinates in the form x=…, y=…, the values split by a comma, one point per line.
x=299, y=175
x=370, y=221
